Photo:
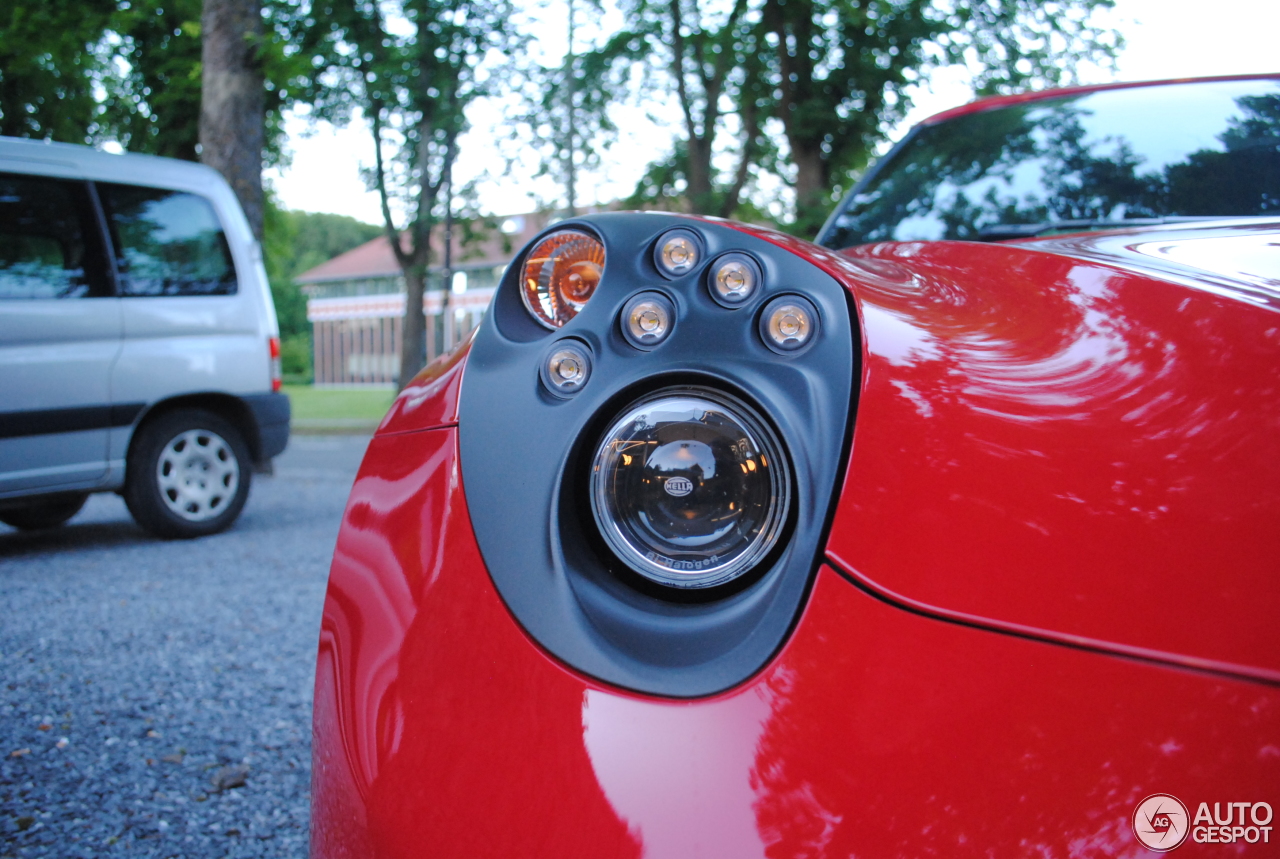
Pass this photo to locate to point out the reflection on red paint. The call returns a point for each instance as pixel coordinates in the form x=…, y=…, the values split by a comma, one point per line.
x=1066, y=447
x=441, y=729
x=431, y=399
x=681, y=775
x=409, y=760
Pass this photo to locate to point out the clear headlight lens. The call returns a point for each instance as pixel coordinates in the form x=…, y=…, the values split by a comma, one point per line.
x=689, y=487
x=677, y=252
x=566, y=368
x=734, y=279
x=788, y=323
x=560, y=275
x=647, y=319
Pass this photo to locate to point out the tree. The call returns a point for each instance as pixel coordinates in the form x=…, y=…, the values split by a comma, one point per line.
x=832, y=76
x=714, y=65
x=564, y=114
x=232, y=100
x=842, y=70
x=705, y=63
x=411, y=68
x=154, y=93
x=50, y=56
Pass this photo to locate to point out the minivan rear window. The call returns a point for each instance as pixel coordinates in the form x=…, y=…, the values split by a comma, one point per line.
x=49, y=240
x=167, y=242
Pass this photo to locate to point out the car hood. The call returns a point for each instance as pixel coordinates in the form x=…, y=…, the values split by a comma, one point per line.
x=1239, y=258
x=1074, y=438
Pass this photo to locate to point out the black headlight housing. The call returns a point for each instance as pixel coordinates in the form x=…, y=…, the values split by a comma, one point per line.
x=659, y=527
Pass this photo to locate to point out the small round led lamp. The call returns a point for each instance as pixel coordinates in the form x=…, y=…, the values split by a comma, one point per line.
x=689, y=488
x=647, y=319
x=559, y=275
x=789, y=324
x=734, y=278
x=677, y=252
x=566, y=369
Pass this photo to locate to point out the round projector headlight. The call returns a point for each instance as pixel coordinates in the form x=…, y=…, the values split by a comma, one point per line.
x=560, y=275
x=689, y=487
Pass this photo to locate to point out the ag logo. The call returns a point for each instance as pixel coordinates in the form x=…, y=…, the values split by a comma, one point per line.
x=1160, y=822
x=678, y=486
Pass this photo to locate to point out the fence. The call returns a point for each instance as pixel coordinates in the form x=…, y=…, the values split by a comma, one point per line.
x=356, y=339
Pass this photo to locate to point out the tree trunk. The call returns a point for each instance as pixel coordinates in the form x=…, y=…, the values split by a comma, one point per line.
x=812, y=188
x=698, y=176
x=232, y=100
x=414, y=330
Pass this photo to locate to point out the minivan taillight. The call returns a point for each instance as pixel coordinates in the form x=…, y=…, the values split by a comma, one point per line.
x=273, y=346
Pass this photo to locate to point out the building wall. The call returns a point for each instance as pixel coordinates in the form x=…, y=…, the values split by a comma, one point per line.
x=356, y=339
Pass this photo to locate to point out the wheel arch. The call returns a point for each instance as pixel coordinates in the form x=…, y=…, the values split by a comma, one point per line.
x=226, y=406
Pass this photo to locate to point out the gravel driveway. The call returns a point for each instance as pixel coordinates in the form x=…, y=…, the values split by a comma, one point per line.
x=155, y=697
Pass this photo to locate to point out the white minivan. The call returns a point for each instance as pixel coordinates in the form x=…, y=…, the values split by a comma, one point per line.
x=139, y=349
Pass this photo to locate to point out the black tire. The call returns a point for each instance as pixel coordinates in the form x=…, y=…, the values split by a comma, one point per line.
x=188, y=474
x=48, y=511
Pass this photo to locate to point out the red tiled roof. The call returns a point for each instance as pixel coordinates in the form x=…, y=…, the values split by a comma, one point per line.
x=374, y=259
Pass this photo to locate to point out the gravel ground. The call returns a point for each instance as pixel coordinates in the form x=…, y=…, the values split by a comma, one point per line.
x=155, y=697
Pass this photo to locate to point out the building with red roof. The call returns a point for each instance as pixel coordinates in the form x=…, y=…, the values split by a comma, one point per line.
x=355, y=301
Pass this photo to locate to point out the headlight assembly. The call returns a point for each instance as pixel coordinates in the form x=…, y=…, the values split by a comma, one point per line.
x=649, y=454
x=689, y=487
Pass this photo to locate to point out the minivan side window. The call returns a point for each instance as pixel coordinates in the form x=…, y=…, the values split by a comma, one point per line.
x=50, y=245
x=167, y=242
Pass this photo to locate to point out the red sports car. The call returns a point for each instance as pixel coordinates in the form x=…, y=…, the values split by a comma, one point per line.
x=954, y=534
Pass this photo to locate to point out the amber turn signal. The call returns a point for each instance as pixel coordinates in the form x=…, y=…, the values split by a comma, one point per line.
x=560, y=274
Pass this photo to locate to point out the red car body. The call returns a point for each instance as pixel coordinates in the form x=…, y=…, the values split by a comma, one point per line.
x=1048, y=590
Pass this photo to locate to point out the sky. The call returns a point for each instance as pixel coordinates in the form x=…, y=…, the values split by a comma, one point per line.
x=1164, y=39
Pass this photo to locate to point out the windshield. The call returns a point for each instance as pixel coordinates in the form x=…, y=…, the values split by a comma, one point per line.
x=1196, y=150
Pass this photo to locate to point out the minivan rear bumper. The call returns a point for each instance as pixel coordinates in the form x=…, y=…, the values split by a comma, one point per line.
x=271, y=414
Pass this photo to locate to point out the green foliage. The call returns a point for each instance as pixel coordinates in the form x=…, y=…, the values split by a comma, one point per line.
x=319, y=237
x=843, y=69
x=295, y=358
x=153, y=98
x=294, y=242
x=50, y=55
x=801, y=90
x=142, y=59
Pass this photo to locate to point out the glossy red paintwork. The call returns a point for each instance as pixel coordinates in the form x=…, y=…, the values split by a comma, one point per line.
x=995, y=101
x=1065, y=448
x=431, y=399
x=1238, y=258
x=441, y=730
